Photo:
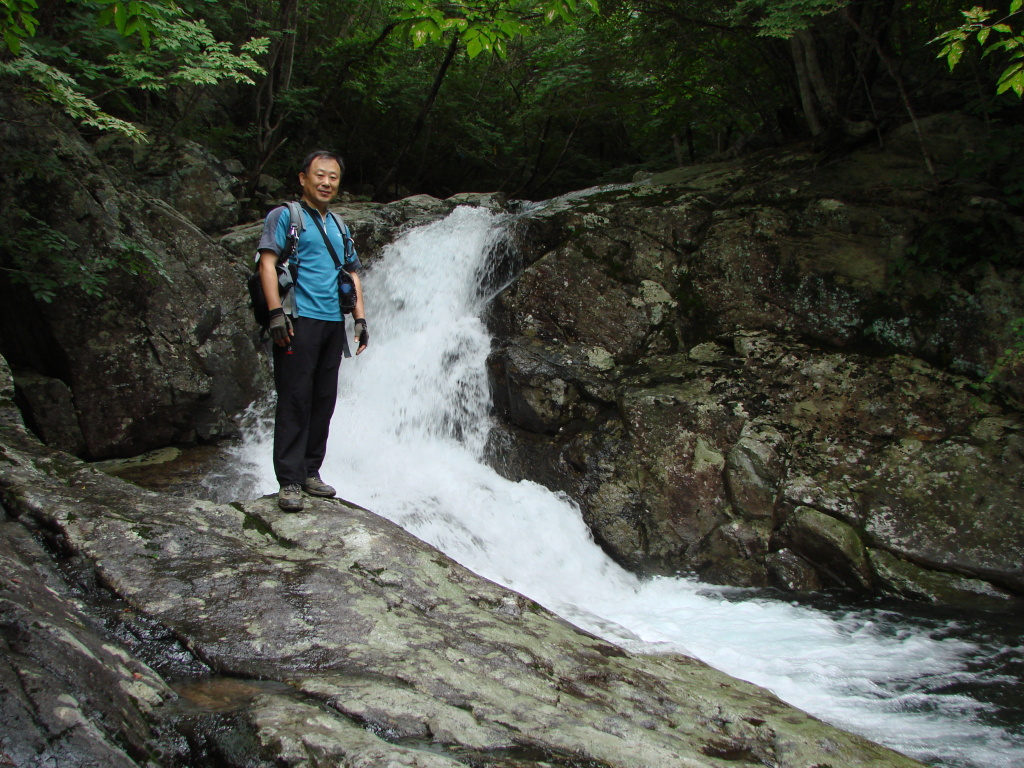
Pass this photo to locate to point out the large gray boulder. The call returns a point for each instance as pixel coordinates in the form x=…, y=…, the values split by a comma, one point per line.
x=333, y=638
x=182, y=173
x=771, y=374
x=166, y=351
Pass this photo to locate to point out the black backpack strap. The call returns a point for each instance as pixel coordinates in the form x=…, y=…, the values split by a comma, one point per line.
x=337, y=263
x=327, y=241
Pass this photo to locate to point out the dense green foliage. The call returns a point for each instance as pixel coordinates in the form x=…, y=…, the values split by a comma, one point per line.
x=78, y=52
x=532, y=97
x=981, y=23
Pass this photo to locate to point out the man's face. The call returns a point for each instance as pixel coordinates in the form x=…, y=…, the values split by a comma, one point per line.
x=320, y=185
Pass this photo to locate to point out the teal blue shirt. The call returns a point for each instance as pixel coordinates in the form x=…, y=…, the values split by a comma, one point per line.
x=316, y=284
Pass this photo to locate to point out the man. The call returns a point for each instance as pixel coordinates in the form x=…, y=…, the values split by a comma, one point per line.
x=309, y=339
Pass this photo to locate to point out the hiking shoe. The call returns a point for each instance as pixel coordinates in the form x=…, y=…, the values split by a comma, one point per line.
x=316, y=487
x=289, y=498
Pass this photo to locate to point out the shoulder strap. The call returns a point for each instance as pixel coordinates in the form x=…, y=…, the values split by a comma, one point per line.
x=295, y=227
x=346, y=234
x=327, y=240
x=295, y=215
x=342, y=226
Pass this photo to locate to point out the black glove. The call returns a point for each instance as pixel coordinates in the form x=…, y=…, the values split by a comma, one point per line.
x=361, y=334
x=280, y=326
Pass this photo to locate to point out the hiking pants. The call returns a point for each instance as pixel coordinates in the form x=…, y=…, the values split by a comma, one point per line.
x=306, y=380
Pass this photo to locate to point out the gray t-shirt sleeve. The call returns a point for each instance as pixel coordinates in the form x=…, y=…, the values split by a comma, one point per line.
x=275, y=231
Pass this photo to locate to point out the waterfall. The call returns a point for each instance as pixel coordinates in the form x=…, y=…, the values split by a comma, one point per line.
x=407, y=442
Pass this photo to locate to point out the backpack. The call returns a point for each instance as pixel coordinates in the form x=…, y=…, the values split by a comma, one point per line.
x=287, y=273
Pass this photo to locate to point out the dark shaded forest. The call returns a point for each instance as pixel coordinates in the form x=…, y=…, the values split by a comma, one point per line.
x=529, y=97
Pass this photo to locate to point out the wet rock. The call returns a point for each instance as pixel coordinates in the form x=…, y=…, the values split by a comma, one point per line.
x=566, y=297
x=387, y=650
x=531, y=390
x=297, y=733
x=775, y=337
x=953, y=507
x=68, y=694
x=915, y=583
x=787, y=570
x=832, y=545
x=754, y=472
x=164, y=352
x=49, y=409
x=699, y=462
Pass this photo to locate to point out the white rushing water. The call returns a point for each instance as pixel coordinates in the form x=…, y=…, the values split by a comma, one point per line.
x=407, y=442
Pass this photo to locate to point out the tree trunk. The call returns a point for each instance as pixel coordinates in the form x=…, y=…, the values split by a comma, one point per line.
x=279, y=78
x=894, y=74
x=814, y=74
x=803, y=79
x=421, y=119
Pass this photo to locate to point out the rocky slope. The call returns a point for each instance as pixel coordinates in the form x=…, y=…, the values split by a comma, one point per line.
x=719, y=364
x=140, y=629
x=750, y=371
x=166, y=352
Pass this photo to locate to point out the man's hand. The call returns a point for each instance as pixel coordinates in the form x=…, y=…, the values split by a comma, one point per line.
x=280, y=327
x=361, y=335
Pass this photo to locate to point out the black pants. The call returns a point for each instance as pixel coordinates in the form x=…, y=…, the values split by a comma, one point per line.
x=306, y=379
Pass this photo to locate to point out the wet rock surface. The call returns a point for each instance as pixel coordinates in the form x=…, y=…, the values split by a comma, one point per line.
x=182, y=173
x=164, y=351
x=753, y=371
x=329, y=637
x=835, y=459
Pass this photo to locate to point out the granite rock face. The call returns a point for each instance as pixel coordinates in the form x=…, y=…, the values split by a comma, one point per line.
x=771, y=374
x=330, y=637
x=182, y=173
x=165, y=352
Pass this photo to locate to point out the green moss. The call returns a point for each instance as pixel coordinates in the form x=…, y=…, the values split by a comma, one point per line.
x=260, y=526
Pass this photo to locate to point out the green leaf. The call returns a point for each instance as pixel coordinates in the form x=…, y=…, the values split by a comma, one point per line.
x=13, y=42
x=1012, y=79
x=424, y=31
x=120, y=17
x=954, y=52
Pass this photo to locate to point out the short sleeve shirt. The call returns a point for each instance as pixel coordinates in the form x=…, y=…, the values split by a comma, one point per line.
x=316, y=284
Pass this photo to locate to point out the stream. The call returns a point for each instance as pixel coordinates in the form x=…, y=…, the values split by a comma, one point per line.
x=408, y=442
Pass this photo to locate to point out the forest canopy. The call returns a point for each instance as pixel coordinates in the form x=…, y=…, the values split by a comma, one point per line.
x=530, y=97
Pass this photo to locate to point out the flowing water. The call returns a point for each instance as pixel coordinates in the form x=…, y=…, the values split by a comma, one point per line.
x=408, y=440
